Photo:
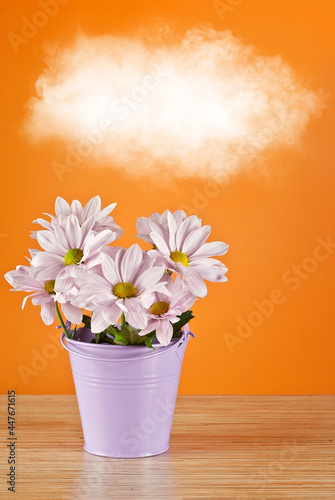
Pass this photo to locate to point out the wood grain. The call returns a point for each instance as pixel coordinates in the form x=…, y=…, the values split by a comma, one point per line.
x=234, y=447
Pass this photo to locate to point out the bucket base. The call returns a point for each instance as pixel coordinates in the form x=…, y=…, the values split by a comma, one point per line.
x=143, y=455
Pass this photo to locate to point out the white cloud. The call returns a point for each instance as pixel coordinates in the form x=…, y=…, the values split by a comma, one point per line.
x=195, y=106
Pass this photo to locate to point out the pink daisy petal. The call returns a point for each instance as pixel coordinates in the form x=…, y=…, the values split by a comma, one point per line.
x=149, y=328
x=160, y=259
x=48, y=312
x=34, y=252
x=25, y=299
x=175, y=319
x=41, y=298
x=162, y=230
x=195, y=239
x=179, y=217
x=155, y=217
x=104, y=238
x=92, y=208
x=98, y=323
x=42, y=222
x=84, y=301
x=110, y=271
x=110, y=251
x=22, y=280
x=172, y=229
x=130, y=262
x=211, y=249
x=74, y=271
x=133, y=304
x=87, y=227
x=204, y=261
x=47, y=258
x=62, y=242
x=212, y=273
x=118, y=259
x=164, y=332
x=73, y=232
x=62, y=207
x=112, y=314
x=188, y=225
x=77, y=210
x=160, y=243
x=63, y=284
x=195, y=283
x=148, y=279
x=145, y=237
x=147, y=263
x=72, y=313
x=106, y=211
x=147, y=299
x=47, y=241
x=135, y=316
x=48, y=273
x=143, y=225
x=138, y=319
x=103, y=301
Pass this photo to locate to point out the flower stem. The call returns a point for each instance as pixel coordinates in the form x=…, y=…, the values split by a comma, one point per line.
x=123, y=319
x=59, y=316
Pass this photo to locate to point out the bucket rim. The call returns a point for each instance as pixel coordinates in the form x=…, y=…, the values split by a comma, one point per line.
x=134, y=353
x=120, y=347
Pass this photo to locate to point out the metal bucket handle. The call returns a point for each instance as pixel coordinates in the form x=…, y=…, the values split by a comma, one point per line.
x=66, y=346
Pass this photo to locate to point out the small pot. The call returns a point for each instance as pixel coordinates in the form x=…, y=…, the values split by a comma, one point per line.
x=126, y=394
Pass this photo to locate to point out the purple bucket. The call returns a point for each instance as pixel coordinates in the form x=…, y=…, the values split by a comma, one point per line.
x=126, y=394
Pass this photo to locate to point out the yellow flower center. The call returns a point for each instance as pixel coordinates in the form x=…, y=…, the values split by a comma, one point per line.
x=73, y=256
x=179, y=257
x=159, y=308
x=49, y=287
x=124, y=290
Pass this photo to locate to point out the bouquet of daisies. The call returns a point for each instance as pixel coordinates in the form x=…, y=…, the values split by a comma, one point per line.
x=134, y=295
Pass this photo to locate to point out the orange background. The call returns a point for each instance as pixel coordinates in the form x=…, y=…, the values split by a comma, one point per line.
x=270, y=223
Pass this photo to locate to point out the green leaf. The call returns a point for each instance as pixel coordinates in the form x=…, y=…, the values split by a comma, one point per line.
x=99, y=337
x=112, y=330
x=148, y=339
x=87, y=321
x=108, y=340
x=184, y=319
x=102, y=337
x=120, y=339
x=74, y=332
x=131, y=335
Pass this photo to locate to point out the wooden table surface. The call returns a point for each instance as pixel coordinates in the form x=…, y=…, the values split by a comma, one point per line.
x=236, y=447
